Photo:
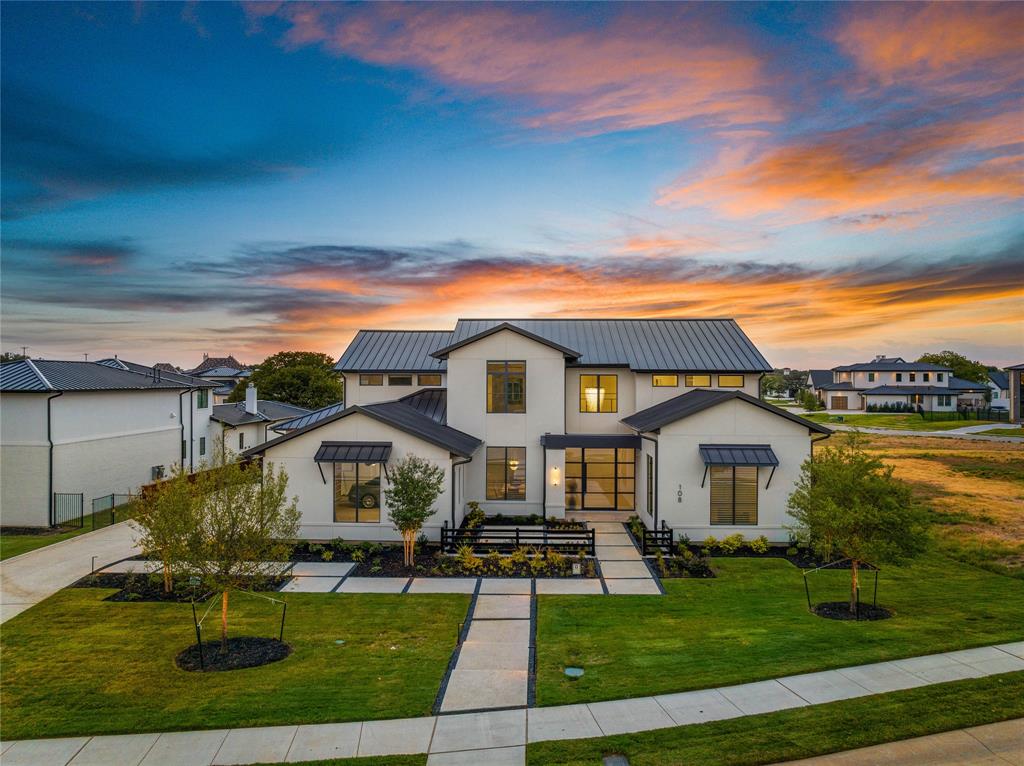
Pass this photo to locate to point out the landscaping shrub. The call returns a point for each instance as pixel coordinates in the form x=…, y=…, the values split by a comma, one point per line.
x=710, y=543
x=636, y=526
x=475, y=517
x=759, y=544
x=732, y=543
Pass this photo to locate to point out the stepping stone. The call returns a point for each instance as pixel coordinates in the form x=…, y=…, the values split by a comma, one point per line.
x=336, y=569
x=506, y=585
x=489, y=655
x=500, y=756
x=120, y=750
x=882, y=677
x=468, y=731
x=610, y=538
x=559, y=586
x=618, y=553
x=626, y=716
x=762, y=697
x=617, y=569
x=698, y=707
x=827, y=686
x=310, y=585
x=401, y=736
x=500, y=631
x=636, y=587
x=32, y=752
x=373, y=585
x=502, y=608
x=442, y=585
x=476, y=689
x=184, y=748
x=325, y=741
x=562, y=722
x=606, y=526
x=265, y=744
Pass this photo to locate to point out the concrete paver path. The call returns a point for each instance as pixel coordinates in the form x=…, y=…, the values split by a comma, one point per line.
x=27, y=579
x=622, y=567
x=501, y=736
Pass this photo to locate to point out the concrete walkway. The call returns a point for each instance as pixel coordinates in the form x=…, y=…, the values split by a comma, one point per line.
x=622, y=567
x=500, y=737
x=994, y=744
x=940, y=434
x=27, y=579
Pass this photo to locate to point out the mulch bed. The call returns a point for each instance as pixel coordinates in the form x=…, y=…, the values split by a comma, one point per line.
x=243, y=652
x=147, y=588
x=35, y=531
x=803, y=559
x=840, y=610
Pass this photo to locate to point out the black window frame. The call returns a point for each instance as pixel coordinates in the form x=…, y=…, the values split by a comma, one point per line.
x=504, y=461
x=400, y=377
x=690, y=380
x=422, y=375
x=202, y=446
x=742, y=383
x=379, y=508
x=506, y=376
x=757, y=499
x=899, y=377
x=650, y=486
x=365, y=377
x=618, y=479
x=871, y=377
x=656, y=384
x=600, y=387
x=202, y=398
x=241, y=440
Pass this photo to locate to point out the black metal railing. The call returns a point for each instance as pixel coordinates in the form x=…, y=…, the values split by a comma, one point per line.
x=967, y=413
x=68, y=510
x=510, y=538
x=656, y=539
x=109, y=509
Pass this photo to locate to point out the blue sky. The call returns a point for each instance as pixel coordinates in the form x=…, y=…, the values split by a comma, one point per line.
x=250, y=178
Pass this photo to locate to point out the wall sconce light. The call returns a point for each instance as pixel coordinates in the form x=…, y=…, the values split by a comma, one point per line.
x=555, y=476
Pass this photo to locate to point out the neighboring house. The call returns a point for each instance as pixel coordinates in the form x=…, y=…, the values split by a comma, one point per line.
x=999, y=385
x=592, y=419
x=83, y=428
x=1016, y=381
x=210, y=362
x=197, y=441
x=225, y=378
x=304, y=420
x=244, y=425
x=816, y=379
x=893, y=381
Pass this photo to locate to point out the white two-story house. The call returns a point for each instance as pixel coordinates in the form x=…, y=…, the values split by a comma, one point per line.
x=588, y=418
x=895, y=382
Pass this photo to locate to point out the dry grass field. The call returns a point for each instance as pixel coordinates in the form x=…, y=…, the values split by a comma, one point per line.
x=975, y=490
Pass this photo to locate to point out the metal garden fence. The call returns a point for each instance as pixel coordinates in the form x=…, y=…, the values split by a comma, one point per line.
x=109, y=509
x=67, y=510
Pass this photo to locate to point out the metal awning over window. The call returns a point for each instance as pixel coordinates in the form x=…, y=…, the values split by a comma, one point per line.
x=561, y=441
x=353, y=452
x=738, y=454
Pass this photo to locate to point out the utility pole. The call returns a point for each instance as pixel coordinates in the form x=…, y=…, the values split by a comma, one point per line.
x=24, y=351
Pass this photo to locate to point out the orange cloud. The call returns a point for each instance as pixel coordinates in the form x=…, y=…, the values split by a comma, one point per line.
x=636, y=70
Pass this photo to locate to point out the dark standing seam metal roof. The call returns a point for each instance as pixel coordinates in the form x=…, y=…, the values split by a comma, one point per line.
x=394, y=351
x=960, y=384
x=1016, y=367
x=313, y=417
x=699, y=400
x=234, y=414
x=738, y=454
x=820, y=378
x=925, y=390
x=353, y=452
x=645, y=345
x=882, y=366
x=561, y=441
x=999, y=379
x=180, y=377
x=432, y=402
x=49, y=375
x=842, y=386
x=569, y=353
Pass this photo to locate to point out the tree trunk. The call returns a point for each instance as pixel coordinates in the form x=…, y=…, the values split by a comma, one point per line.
x=168, y=580
x=854, y=585
x=409, y=543
x=224, y=621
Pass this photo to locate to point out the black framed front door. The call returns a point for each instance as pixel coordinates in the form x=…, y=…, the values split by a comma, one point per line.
x=600, y=478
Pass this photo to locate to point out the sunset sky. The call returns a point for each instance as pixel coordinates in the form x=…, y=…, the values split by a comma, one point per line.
x=843, y=180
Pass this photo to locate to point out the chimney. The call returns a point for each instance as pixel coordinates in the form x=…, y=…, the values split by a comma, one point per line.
x=250, y=400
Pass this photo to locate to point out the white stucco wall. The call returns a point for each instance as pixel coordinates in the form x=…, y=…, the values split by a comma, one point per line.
x=316, y=499
x=681, y=468
x=577, y=422
x=647, y=394
x=860, y=379
x=24, y=455
x=357, y=394
x=545, y=411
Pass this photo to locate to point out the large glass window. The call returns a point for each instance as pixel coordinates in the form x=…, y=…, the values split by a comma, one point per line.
x=939, y=376
x=357, y=492
x=665, y=381
x=202, y=398
x=927, y=377
x=945, y=400
x=600, y=478
x=696, y=381
x=371, y=380
x=202, y=446
x=506, y=386
x=730, y=381
x=650, y=484
x=734, y=494
x=506, y=473
x=599, y=393
x=429, y=379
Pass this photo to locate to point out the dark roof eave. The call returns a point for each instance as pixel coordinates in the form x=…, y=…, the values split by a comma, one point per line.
x=442, y=353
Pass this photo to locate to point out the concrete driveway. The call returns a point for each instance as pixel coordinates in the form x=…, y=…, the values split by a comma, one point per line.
x=27, y=579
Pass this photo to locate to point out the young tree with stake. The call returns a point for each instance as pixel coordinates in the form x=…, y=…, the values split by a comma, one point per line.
x=166, y=514
x=414, y=486
x=848, y=503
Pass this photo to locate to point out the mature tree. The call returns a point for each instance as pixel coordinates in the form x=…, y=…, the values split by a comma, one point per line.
x=303, y=378
x=166, y=514
x=10, y=356
x=243, y=519
x=773, y=384
x=847, y=503
x=962, y=366
x=413, y=487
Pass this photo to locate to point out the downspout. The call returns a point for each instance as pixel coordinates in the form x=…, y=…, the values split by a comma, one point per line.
x=657, y=475
x=544, y=485
x=191, y=431
x=455, y=465
x=181, y=421
x=49, y=439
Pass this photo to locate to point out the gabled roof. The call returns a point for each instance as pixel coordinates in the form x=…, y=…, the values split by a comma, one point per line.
x=692, y=402
x=1016, y=367
x=42, y=375
x=215, y=361
x=643, y=345
x=313, y=417
x=162, y=372
x=499, y=327
x=844, y=385
x=999, y=379
x=432, y=402
x=234, y=414
x=820, y=378
x=963, y=384
x=888, y=366
x=223, y=372
x=394, y=351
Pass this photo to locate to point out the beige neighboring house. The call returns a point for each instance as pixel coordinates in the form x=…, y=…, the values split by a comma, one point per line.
x=1016, y=381
x=896, y=382
x=581, y=418
x=247, y=424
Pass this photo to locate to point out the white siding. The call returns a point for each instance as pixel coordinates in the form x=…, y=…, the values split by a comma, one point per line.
x=24, y=456
x=577, y=422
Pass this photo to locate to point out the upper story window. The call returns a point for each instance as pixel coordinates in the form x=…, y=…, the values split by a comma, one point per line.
x=913, y=377
x=927, y=377
x=697, y=380
x=871, y=377
x=665, y=381
x=399, y=380
x=371, y=380
x=599, y=393
x=939, y=376
x=730, y=381
x=429, y=379
x=202, y=398
x=506, y=386
x=899, y=377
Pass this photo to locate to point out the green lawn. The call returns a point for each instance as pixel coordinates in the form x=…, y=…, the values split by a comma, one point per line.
x=76, y=664
x=751, y=623
x=907, y=422
x=1004, y=432
x=804, y=732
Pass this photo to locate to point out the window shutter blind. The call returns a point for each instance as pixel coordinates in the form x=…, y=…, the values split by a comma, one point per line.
x=746, y=494
x=721, y=494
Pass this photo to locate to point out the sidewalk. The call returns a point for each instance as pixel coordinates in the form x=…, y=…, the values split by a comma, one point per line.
x=27, y=579
x=963, y=434
x=994, y=744
x=500, y=737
